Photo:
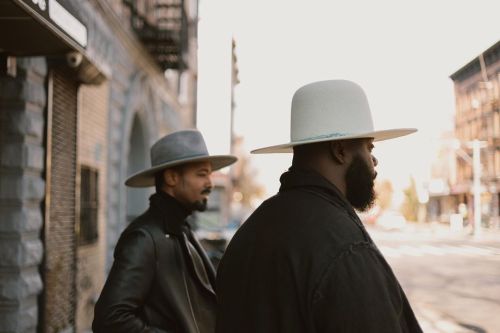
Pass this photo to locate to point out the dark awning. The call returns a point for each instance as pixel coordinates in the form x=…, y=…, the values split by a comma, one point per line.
x=42, y=27
x=45, y=28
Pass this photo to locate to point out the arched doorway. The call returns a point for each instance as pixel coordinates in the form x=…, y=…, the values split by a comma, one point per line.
x=138, y=159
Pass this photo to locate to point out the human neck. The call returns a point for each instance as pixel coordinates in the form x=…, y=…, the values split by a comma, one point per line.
x=172, y=194
x=331, y=172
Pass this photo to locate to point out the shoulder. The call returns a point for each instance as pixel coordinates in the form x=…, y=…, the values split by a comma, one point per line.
x=147, y=223
x=352, y=264
x=297, y=203
x=315, y=214
x=135, y=245
x=140, y=235
x=303, y=224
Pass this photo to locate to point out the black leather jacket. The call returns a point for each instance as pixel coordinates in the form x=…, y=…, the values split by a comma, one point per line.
x=150, y=285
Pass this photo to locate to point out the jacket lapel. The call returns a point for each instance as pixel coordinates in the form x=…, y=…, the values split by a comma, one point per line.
x=206, y=261
x=205, y=281
x=173, y=215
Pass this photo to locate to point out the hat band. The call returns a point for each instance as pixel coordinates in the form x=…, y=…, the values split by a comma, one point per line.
x=324, y=136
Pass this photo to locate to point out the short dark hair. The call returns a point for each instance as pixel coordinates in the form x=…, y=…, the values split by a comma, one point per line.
x=159, y=180
x=302, y=154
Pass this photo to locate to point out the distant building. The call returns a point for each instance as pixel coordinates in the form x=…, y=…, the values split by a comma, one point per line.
x=441, y=204
x=85, y=88
x=477, y=93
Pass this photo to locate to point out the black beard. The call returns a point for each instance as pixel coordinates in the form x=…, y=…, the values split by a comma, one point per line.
x=200, y=206
x=360, y=184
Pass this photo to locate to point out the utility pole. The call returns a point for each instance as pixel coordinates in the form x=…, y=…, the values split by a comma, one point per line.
x=475, y=161
x=476, y=171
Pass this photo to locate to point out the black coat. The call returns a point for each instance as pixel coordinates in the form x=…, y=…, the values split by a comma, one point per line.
x=303, y=262
x=149, y=287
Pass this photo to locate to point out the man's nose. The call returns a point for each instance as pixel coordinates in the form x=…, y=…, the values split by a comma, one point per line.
x=375, y=161
x=209, y=182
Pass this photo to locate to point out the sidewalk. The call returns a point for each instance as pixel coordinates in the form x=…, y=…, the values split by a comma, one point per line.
x=432, y=321
x=445, y=231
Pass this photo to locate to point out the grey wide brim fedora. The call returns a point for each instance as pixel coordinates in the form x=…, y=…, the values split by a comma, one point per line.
x=329, y=111
x=181, y=147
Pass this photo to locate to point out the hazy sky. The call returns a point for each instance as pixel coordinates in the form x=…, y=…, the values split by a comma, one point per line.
x=401, y=52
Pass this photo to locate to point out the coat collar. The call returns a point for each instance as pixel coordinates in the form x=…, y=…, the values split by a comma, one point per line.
x=171, y=211
x=174, y=214
x=307, y=178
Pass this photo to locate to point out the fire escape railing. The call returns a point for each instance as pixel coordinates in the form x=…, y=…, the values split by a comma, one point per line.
x=162, y=27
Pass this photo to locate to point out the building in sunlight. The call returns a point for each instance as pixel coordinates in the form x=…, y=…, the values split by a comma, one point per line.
x=477, y=117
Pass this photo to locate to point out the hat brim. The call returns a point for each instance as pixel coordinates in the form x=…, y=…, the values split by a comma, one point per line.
x=146, y=178
x=376, y=135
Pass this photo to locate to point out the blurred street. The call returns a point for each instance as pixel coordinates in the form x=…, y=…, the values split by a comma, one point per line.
x=451, y=278
x=87, y=87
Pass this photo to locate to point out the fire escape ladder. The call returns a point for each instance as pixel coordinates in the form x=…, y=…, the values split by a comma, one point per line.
x=162, y=27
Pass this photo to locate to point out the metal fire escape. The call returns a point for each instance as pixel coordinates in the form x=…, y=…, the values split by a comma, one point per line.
x=162, y=27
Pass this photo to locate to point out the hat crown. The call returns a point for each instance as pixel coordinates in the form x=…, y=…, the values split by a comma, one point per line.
x=181, y=147
x=332, y=108
x=328, y=111
x=178, y=146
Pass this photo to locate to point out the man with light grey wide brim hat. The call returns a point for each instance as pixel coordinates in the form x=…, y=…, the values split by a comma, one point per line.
x=161, y=279
x=303, y=261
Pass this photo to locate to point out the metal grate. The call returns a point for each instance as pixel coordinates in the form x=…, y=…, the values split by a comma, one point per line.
x=59, y=269
x=89, y=203
x=162, y=26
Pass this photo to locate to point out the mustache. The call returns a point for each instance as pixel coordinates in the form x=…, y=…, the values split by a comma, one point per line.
x=207, y=190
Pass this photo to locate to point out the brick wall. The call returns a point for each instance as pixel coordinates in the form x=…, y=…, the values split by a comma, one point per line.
x=92, y=151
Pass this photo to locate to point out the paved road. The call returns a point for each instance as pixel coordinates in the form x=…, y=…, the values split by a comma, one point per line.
x=451, y=279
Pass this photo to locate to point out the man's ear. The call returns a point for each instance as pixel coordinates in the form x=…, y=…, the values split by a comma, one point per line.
x=170, y=177
x=337, y=151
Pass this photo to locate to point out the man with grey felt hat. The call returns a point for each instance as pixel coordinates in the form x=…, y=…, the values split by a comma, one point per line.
x=303, y=262
x=161, y=279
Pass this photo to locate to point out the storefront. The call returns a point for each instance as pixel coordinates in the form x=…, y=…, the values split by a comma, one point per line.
x=83, y=95
x=43, y=65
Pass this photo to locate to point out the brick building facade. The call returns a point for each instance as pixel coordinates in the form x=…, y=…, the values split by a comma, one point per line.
x=81, y=101
x=477, y=95
x=477, y=117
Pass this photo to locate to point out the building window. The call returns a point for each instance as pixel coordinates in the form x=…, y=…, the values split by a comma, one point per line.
x=89, y=203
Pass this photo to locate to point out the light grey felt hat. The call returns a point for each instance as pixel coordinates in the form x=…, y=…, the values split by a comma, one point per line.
x=177, y=148
x=328, y=111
